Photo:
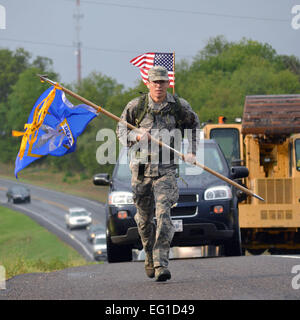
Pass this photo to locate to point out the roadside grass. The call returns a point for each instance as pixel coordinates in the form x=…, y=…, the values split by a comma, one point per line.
x=75, y=184
x=26, y=247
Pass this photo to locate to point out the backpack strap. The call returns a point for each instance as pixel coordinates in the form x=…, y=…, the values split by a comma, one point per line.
x=143, y=108
x=177, y=111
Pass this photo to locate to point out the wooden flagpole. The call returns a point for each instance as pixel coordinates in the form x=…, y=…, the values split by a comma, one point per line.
x=174, y=71
x=130, y=126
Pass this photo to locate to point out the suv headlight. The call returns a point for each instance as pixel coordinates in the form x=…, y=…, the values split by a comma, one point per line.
x=120, y=197
x=218, y=193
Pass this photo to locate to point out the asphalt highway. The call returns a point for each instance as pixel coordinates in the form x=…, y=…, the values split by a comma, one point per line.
x=262, y=277
x=49, y=207
x=222, y=278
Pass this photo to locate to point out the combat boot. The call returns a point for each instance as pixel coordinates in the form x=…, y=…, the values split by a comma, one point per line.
x=149, y=267
x=162, y=274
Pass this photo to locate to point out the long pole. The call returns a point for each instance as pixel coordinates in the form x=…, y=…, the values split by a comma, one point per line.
x=77, y=17
x=174, y=72
x=130, y=126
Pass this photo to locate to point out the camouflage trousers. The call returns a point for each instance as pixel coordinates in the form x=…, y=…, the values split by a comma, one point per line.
x=155, y=196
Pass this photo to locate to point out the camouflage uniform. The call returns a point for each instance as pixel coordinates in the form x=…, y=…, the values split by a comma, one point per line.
x=155, y=191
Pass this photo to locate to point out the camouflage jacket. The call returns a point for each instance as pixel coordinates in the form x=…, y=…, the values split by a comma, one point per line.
x=156, y=120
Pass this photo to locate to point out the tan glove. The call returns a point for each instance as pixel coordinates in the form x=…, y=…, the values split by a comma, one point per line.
x=143, y=134
x=189, y=158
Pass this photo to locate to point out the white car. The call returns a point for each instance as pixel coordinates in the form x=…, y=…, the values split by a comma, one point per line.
x=99, y=247
x=78, y=218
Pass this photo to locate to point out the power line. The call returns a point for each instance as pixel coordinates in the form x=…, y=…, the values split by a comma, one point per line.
x=53, y=44
x=39, y=42
x=66, y=45
x=169, y=10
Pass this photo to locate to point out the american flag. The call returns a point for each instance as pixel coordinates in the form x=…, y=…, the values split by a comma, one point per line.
x=148, y=60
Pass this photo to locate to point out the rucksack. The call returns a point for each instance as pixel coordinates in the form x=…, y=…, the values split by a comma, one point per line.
x=143, y=108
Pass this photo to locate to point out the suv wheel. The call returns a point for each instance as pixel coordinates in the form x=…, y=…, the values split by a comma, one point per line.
x=256, y=252
x=117, y=253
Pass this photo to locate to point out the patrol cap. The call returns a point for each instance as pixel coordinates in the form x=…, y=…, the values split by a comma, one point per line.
x=158, y=73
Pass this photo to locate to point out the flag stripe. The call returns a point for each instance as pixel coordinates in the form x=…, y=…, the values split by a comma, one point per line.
x=148, y=60
x=136, y=60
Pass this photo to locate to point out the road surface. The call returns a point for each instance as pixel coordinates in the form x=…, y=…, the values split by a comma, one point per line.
x=230, y=278
x=205, y=278
x=49, y=207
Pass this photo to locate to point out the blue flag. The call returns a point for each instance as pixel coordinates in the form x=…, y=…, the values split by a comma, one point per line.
x=53, y=127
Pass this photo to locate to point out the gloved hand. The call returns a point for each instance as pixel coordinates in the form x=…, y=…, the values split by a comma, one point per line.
x=189, y=158
x=143, y=134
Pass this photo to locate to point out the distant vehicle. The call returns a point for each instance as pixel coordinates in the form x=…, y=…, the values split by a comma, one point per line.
x=99, y=247
x=93, y=230
x=18, y=194
x=78, y=218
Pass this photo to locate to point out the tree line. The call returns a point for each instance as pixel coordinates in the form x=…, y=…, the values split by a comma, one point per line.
x=215, y=83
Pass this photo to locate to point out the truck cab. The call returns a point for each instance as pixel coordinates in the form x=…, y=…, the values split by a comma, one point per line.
x=267, y=142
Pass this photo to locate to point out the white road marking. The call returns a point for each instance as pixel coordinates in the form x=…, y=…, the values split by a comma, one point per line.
x=61, y=229
x=283, y=256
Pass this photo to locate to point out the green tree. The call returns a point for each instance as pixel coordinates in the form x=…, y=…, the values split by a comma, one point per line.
x=292, y=63
x=215, y=83
x=223, y=73
x=11, y=65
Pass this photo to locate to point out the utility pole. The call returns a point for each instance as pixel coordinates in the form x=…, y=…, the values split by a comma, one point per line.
x=77, y=16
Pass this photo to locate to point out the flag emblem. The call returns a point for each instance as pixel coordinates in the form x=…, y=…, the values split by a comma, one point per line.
x=53, y=127
x=151, y=59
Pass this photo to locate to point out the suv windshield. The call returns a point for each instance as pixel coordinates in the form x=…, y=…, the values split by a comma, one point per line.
x=78, y=213
x=100, y=241
x=96, y=227
x=208, y=154
x=19, y=189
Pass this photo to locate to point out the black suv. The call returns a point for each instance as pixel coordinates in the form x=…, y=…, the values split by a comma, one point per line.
x=206, y=212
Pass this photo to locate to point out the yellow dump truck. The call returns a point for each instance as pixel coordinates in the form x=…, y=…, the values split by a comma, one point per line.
x=268, y=144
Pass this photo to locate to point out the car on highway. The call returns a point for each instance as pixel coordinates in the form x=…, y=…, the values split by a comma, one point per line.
x=99, y=247
x=206, y=212
x=93, y=230
x=78, y=218
x=18, y=194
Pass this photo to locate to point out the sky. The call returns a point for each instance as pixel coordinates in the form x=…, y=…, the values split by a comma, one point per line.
x=113, y=32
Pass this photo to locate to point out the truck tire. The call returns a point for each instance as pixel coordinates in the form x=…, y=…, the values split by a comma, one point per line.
x=117, y=253
x=233, y=247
